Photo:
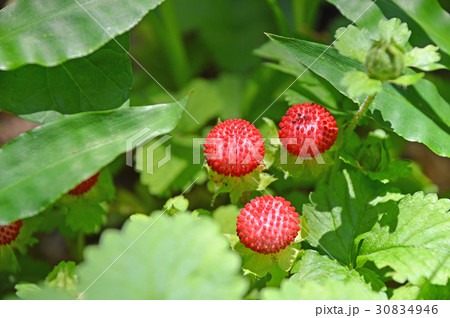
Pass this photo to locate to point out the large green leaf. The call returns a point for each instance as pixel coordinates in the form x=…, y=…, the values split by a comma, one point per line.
x=50, y=32
x=311, y=88
x=99, y=81
x=163, y=258
x=315, y=267
x=46, y=162
x=329, y=289
x=182, y=257
x=413, y=239
x=417, y=113
x=431, y=17
x=340, y=212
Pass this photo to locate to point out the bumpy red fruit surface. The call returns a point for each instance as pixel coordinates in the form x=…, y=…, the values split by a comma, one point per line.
x=307, y=129
x=234, y=147
x=9, y=233
x=267, y=224
x=85, y=186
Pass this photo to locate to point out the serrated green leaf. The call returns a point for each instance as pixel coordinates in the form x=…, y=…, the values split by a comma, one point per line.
x=419, y=106
x=342, y=211
x=99, y=81
x=25, y=238
x=406, y=292
x=35, y=292
x=394, y=30
x=429, y=291
x=424, y=58
x=425, y=18
x=286, y=257
x=412, y=239
x=396, y=169
x=181, y=257
x=371, y=278
x=359, y=83
x=315, y=267
x=431, y=17
x=85, y=217
x=277, y=276
x=70, y=150
x=324, y=290
x=257, y=264
x=176, y=205
x=425, y=292
x=63, y=277
x=353, y=42
x=58, y=29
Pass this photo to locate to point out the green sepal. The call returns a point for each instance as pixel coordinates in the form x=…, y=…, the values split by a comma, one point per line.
x=239, y=188
x=408, y=79
x=359, y=83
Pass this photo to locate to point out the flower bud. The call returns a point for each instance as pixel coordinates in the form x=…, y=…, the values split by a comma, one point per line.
x=385, y=60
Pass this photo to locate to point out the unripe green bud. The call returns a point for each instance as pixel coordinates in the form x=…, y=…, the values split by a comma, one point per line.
x=385, y=61
x=371, y=157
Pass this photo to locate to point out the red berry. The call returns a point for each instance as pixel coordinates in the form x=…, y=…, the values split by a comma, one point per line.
x=267, y=224
x=307, y=128
x=234, y=147
x=9, y=233
x=85, y=186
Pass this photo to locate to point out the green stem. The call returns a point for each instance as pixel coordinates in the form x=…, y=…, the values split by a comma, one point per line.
x=360, y=114
x=79, y=248
x=280, y=19
x=351, y=126
x=305, y=15
x=173, y=42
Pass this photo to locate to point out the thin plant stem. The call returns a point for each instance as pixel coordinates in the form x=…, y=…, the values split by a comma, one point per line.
x=172, y=38
x=280, y=19
x=351, y=126
x=360, y=114
x=79, y=248
x=305, y=15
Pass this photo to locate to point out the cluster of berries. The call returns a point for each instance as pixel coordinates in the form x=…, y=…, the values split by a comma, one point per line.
x=236, y=148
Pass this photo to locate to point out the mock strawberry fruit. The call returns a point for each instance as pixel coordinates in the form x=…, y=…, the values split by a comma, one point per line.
x=9, y=233
x=234, y=147
x=85, y=186
x=307, y=129
x=267, y=224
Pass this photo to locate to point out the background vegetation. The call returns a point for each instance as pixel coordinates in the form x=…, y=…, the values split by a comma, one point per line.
x=61, y=69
